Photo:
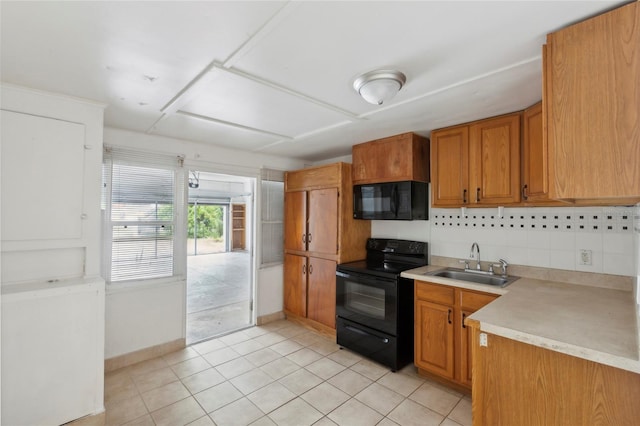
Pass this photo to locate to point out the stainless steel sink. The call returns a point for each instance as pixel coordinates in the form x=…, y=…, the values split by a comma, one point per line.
x=459, y=274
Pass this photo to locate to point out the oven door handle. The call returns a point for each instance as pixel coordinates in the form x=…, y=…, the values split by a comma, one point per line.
x=364, y=333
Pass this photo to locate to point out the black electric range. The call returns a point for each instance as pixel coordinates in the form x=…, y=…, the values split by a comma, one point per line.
x=374, y=304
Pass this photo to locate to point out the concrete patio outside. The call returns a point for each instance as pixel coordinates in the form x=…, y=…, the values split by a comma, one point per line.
x=218, y=294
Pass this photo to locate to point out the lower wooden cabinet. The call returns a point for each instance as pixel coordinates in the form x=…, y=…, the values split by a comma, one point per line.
x=434, y=348
x=442, y=340
x=520, y=384
x=310, y=288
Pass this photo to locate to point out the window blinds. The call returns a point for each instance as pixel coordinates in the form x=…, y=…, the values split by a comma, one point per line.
x=272, y=216
x=143, y=196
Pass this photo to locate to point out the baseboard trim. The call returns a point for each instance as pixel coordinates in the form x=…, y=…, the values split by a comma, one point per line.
x=130, y=358
x=264, y=319
x=99, y=419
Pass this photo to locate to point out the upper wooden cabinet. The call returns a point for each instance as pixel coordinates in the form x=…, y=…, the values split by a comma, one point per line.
x=477, y=163
x=311, y=218
x=396, y=158
x=450, y=166
x=535, y=182
x=319, y=214
x=591, y=106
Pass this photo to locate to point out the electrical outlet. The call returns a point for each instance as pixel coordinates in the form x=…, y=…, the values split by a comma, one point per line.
x=585, y=257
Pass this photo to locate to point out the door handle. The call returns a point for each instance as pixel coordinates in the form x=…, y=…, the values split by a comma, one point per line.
x=478, y=195
x=304, y=238
x=310, y=269
x=449, y=316
x=524, y=192
x=364, y=333
x=464, y=196
x=309, y=237
x=304, y=269
x=463, y=317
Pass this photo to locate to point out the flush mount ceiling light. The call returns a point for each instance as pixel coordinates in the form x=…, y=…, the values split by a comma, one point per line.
x=378, y=87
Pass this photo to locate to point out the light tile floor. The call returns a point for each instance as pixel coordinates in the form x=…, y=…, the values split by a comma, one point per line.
x=276, y=374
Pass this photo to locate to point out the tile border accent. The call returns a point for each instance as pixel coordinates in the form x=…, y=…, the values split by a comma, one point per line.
x=145, y=354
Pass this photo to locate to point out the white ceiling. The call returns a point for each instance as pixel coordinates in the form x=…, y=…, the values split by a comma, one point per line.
x=276, y=77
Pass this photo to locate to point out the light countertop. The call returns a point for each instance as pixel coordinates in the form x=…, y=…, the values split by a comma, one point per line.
x=593, y=323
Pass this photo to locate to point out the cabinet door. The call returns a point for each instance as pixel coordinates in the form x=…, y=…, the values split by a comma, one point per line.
x=322, y=221
x=396, y=158
x=42, y=174
x=450, y=166
x=295, y=284
x=295, y=220
x=494, y=160
x=535, y=182
x=322, y=291
x=592, y=107
x=434, y=338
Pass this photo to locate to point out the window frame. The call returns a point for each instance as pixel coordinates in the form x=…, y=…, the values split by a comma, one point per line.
x=270, y=175
x=128, y=157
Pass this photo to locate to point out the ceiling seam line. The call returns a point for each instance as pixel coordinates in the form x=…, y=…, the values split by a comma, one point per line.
x=173, y=105
x=451, y=86
x=351, y=116
x=232, y=124
x=256, y=37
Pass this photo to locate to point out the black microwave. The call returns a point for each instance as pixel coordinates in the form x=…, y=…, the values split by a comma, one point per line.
x=407, y=200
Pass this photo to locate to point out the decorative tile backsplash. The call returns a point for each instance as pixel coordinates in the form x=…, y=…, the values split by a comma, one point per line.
x=590, y=239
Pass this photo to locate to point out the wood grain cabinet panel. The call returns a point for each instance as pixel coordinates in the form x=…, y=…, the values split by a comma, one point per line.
x=295, y=290
x=322, y=297
x=396, y=158
x=477, y=164
x=450, y=167
x=434, y=348
x=494, y=160
x=442, y=340
x=320, y=232
x=535, y=170
x=516, y=383
x=591, y=107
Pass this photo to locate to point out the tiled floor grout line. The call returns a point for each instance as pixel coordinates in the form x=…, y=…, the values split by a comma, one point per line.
x=311, y=339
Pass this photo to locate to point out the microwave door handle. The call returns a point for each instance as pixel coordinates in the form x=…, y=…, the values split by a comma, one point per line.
x=394, y=199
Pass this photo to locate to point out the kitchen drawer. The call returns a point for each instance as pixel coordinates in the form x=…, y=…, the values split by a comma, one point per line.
x=435, y=293
x=473, y=301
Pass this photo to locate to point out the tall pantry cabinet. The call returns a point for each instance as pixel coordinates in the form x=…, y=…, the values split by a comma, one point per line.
x=320, y=233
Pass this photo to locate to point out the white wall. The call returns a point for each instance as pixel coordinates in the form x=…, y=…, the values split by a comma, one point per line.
x=140, y=317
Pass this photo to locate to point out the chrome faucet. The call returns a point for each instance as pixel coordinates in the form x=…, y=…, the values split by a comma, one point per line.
x=477, y=249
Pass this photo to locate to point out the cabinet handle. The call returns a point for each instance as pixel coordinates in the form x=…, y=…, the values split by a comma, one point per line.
x=463, y=317
x=464, y=196
x=304, y=238
x=308, y=238
x=478, y=195
x=304, y=269
x=524, y=192
x=449, y=316
x=310, y=269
